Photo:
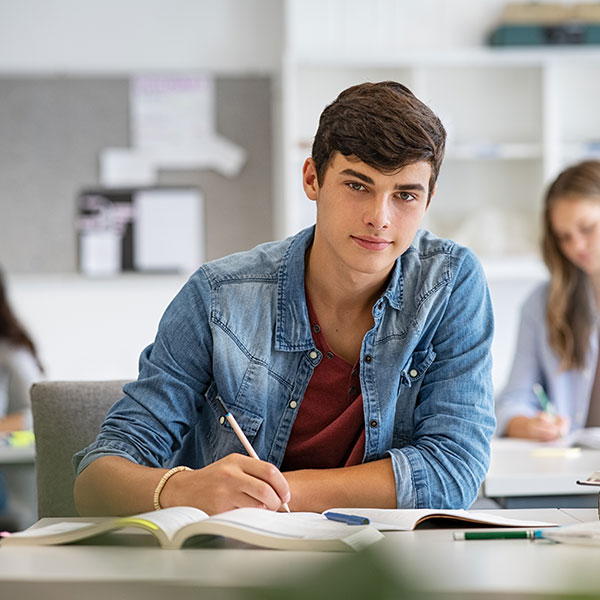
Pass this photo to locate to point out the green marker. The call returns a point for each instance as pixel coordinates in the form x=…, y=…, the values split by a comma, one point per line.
x=546, y=405
x=530, y=534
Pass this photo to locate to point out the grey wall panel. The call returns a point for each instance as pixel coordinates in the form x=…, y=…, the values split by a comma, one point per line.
x=51, y=133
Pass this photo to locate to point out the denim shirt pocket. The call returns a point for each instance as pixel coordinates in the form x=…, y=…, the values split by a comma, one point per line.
x=416, y=367
x=225, y=440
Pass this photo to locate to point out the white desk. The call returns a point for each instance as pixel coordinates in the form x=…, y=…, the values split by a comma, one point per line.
x=437, y=563
x=17, y=465
x=525, y=474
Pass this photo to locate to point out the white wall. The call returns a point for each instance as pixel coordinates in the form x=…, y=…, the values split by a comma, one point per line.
x=121, y=36
x=91, y=329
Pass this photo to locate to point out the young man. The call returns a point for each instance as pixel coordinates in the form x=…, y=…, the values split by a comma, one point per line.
x=355, y=355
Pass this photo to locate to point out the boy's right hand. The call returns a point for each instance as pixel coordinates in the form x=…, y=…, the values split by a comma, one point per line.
x=234, y=481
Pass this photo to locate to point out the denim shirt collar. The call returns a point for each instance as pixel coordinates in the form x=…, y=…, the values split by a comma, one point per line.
x=292, y=327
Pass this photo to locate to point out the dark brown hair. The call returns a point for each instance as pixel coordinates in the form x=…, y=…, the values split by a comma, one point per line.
x=10, y=328
x=383, y=124
x=569, y=312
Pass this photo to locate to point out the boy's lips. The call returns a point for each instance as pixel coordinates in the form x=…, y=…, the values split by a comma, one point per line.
x=371, y=243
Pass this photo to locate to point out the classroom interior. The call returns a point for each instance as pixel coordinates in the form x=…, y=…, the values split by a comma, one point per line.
x=78, y=111
x=514, y=119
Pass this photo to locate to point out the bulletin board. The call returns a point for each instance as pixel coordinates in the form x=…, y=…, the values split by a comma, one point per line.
x=52, y=132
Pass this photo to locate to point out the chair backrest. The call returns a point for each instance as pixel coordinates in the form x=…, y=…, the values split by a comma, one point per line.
x=67, y=416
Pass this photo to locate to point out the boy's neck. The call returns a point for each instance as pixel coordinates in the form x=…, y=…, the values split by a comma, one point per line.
x=339, y=289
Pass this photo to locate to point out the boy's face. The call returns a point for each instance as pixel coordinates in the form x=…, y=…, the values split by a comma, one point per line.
x=366, y=219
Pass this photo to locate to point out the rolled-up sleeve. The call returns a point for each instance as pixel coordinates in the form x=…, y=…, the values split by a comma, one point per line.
x=448, y=457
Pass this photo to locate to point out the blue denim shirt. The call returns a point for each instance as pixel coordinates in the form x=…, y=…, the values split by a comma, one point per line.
x=536, y=362
x=239, y=328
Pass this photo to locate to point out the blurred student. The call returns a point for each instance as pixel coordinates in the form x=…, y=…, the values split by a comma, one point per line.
x=556, y=358
x=19, y=368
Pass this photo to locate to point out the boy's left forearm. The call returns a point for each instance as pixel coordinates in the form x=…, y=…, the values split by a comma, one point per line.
x=367, y=485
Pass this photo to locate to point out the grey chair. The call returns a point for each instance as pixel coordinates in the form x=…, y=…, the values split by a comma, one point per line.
x=66, y=418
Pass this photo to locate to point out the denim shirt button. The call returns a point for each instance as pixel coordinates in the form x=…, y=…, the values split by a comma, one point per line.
x=368, y=358
x=222, y=420
x=373, y=423
x=413, y=373
x=293, y=404
x=313, y=354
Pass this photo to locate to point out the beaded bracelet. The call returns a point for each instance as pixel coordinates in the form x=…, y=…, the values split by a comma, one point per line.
x=163, y=481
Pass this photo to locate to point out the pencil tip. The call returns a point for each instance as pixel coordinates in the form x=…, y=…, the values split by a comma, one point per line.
x=222, y=405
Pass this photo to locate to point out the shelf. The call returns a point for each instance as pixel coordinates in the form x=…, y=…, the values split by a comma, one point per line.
x=378, y=58
x=575, y=151
x=491, y=150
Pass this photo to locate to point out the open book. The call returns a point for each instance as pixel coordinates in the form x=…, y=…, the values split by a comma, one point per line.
x=296, y=531
x=588, y=437
x=174, y=526
x=411, y=518
x=593, y=479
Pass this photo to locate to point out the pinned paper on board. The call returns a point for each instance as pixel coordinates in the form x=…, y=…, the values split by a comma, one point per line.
x=156, y=229
x=173, y=123
x=173, y=126
x=168, y=230
x=126, y=167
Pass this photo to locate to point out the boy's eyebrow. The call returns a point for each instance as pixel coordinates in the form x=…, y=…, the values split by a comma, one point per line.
x=358, y=175
x=367, y=179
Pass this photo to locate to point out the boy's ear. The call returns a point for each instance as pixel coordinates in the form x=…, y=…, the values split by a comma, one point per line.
x=431, y=196
x=309, y=179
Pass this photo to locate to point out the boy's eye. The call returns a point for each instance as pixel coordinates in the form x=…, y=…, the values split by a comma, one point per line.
x=407, y=196
x=354, y=185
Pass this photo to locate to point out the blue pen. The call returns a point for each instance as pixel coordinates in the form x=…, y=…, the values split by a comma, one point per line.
x=348, y=519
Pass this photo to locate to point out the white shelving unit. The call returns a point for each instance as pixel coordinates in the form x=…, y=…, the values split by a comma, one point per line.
x=515, y=118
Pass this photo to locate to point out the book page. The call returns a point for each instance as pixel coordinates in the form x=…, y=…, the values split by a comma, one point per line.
x=291, y=525
x=64, y=527
x=407, y=519
x=586, y=438
x=169, y=520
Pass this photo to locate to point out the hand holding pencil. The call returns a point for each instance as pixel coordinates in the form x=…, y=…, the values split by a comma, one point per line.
x=546, y=426
x=242, y=437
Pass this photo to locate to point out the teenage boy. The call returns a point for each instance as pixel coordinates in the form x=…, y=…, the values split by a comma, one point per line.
x=354, y=355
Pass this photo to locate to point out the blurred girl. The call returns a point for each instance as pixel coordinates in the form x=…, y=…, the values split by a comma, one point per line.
x=557, y=346
x=19, y=368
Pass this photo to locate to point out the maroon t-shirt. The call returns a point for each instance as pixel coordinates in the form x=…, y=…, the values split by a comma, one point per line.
x=329, y=430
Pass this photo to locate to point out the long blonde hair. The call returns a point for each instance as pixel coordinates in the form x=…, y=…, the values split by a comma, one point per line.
x=569, y=312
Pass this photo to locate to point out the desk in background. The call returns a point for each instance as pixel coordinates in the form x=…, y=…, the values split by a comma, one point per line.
x=17, y=466
x=527, y=474
x=430, y=557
